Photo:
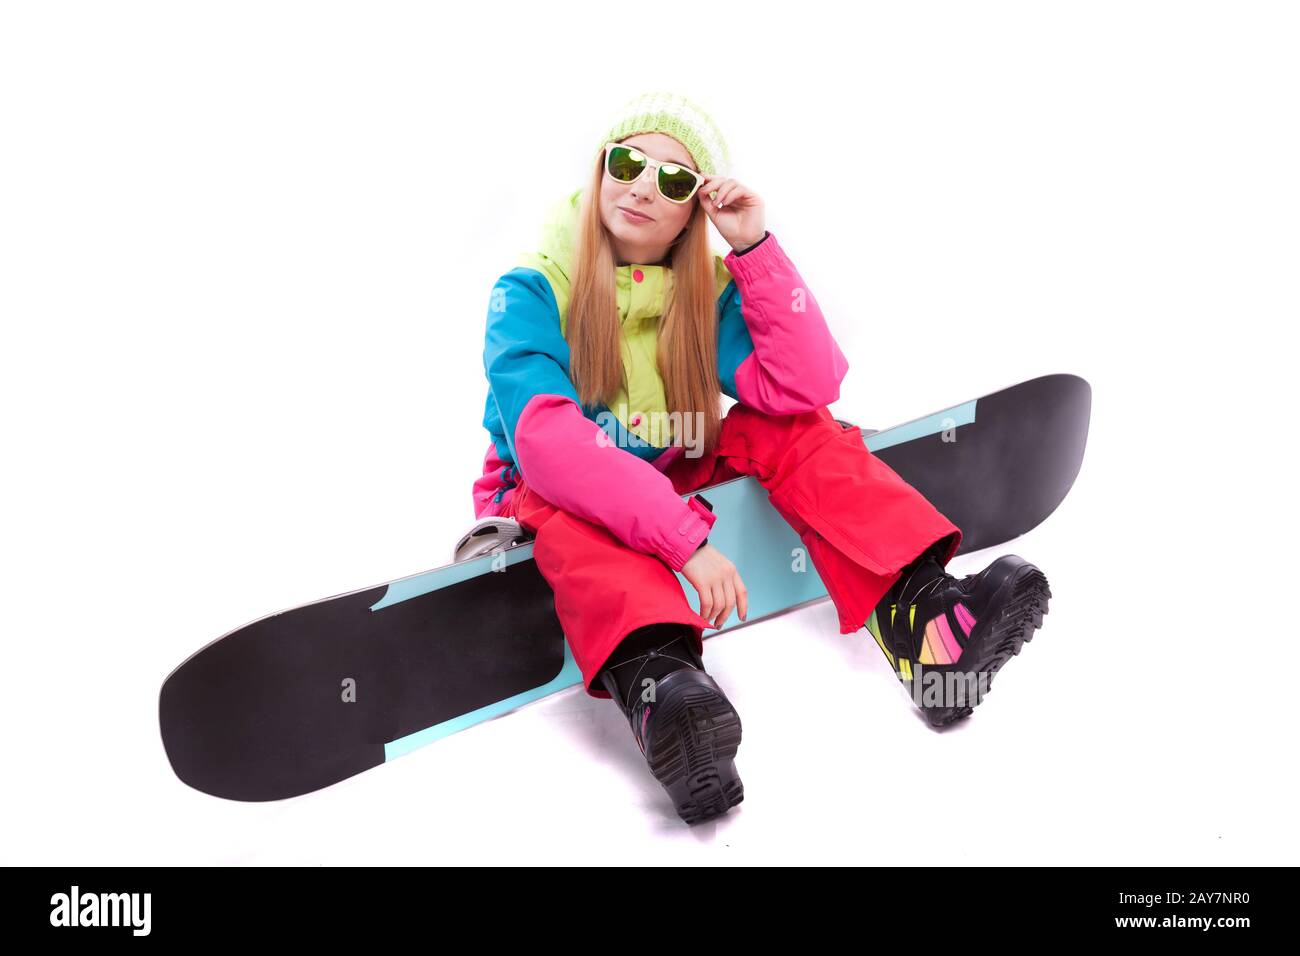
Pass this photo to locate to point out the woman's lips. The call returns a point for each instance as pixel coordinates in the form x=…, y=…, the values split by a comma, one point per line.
x=631, y=216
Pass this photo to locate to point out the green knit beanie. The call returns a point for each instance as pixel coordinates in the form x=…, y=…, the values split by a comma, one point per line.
x=676, y=116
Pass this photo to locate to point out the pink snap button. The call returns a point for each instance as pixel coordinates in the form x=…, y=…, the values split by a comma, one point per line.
x=638, y=275
x=636, y=419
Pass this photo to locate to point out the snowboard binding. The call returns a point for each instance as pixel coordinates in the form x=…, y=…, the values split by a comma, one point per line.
x=846, y=425
x=488, y=536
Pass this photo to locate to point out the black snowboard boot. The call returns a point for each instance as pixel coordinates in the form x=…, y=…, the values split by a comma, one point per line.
x=946, y=638
x=682, y=721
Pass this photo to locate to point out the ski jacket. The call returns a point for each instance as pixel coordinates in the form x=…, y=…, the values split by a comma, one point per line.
x=606, y=465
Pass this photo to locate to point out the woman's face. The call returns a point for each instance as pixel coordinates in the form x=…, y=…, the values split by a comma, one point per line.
x=645, y=240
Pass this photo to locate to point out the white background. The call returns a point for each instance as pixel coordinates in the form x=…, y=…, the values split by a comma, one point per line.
x=246, y=254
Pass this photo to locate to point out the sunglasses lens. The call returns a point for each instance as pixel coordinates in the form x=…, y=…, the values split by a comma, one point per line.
x=625, y=163
x=676, y=183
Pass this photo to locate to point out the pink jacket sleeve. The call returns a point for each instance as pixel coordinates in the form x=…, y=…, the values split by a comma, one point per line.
x=775, y=350
x=571, y=462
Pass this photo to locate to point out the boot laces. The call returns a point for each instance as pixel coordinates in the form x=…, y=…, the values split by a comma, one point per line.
x=928, y=588
x=643, y=659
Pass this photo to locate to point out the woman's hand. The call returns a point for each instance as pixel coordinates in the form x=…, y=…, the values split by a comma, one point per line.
x=718, y=584
x=737, y=211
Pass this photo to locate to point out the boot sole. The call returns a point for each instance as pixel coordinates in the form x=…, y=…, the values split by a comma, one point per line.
x=1022, y=601
x=693, y=749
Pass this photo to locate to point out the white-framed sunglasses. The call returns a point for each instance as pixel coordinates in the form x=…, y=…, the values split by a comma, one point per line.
x=627, y=164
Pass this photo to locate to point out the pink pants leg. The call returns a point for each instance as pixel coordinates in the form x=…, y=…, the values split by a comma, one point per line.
x=859, y=520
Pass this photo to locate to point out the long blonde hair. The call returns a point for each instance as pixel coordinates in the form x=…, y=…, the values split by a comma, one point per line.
x=687, y=349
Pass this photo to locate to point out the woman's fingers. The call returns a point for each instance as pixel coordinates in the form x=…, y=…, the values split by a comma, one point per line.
x=710, y=185
x=722, y=591
x=742, y=598
x=719, y=602
x=706, y=600
x=729, y=593
x=719, y=185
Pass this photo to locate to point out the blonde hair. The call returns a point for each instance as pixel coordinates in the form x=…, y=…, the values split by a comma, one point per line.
x=687, y=349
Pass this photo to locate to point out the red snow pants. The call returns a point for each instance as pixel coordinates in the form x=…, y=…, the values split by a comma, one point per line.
x=859, y=520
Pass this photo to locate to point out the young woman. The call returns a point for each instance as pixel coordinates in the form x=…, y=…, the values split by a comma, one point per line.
x=606, y=355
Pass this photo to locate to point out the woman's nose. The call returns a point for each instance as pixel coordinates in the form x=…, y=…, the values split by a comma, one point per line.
x=644, y=188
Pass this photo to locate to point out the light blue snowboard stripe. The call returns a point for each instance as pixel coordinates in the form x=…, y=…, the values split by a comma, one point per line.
x=568, y=676
x=438, y=578
x=962, y=414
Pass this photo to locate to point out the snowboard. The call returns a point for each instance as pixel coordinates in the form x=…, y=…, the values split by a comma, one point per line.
x=310, y=696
